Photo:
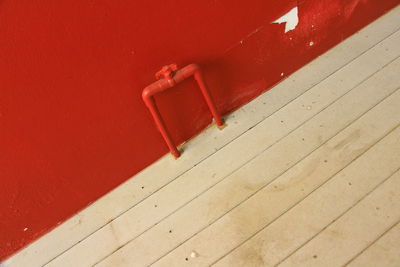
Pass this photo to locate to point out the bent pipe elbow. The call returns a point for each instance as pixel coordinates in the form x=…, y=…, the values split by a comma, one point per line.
x=146, y=94
x=192, y=68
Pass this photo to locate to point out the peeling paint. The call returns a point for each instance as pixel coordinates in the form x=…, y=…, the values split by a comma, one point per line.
x=236, y=72
x=291, y=19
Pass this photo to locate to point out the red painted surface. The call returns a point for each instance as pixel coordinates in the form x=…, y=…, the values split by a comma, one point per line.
x=72, y=121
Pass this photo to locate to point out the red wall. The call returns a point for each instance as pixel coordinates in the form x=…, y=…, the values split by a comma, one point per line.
x=72, y=122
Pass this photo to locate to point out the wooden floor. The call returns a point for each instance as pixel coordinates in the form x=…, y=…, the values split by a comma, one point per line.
x=305, y=175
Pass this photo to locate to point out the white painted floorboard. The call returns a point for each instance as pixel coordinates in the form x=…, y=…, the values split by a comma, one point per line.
x=382, y=252
x=306, y=174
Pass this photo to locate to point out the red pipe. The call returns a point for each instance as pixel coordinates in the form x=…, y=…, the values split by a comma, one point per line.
x=168, y=77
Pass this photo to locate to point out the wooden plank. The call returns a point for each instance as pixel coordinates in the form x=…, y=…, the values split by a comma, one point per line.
x=283, y=236
x=290, y=188
x=161, y=204
x=131, y=193
x=354, y=231
x=384, y=252
x=247, y=180
x=156, y=207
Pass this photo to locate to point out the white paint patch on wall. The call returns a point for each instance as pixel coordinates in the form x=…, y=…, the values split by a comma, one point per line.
x=291, y=19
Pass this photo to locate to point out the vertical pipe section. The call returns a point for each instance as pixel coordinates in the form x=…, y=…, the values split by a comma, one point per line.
x=161, y=127
x=198, y=76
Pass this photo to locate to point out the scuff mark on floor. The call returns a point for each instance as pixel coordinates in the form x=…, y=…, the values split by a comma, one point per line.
x=291, y=19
